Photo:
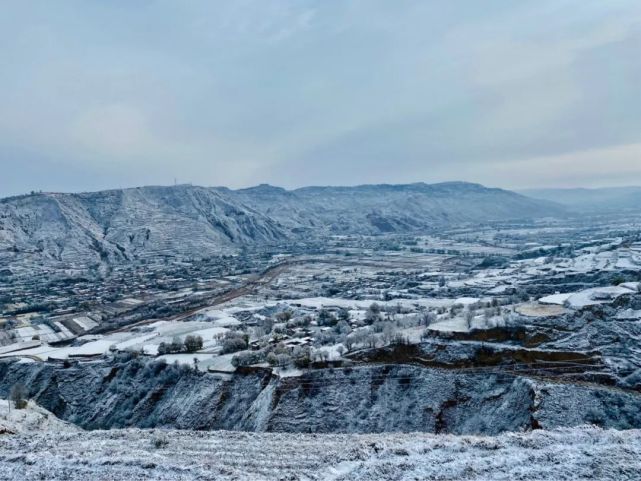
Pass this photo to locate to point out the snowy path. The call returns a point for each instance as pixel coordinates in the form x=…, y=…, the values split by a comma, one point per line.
x=581, y=453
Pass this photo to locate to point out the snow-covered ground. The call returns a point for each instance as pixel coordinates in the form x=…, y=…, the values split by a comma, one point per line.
x=565, y=454
x=30, y=419
x=591, y=296
x=148, y=340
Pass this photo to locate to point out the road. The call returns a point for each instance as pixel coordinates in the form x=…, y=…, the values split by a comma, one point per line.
x=250, y=286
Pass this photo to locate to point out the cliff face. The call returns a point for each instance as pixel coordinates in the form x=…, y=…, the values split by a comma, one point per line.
x=383, y=398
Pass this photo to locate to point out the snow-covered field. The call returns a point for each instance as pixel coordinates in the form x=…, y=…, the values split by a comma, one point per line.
x=590, y=297
x=565, y=454
x=161, y=331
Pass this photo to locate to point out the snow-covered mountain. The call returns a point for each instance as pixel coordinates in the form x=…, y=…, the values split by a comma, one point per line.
x=122, y=224
x=375, y=209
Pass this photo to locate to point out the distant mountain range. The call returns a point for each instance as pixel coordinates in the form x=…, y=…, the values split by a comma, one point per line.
x=185, y=220
x=591, y=200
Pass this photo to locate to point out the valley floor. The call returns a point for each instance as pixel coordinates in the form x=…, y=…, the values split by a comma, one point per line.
x=564, y=454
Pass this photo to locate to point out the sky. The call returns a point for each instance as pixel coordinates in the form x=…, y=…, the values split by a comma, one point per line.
x=99, y=94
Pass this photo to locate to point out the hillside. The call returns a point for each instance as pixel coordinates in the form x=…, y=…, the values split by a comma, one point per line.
x=31, y=419
x=375, y=209
x=374, y=398
x=120, y=225
x=566, y=454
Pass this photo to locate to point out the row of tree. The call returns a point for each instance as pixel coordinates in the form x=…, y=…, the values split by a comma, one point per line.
x=190, y=344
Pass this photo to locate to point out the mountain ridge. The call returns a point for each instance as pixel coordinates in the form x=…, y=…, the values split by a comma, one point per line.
x=185, y=220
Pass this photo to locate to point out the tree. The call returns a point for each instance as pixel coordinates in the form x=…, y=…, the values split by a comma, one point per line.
x=322, y=355
x=176, y=345
x=349, y=342
x=469, y=317
x=373, y=313
x=193, y=343
x=374, y=308
x=247, y=358
x=18, y=395
x=234, y=341
x=163, y=348
x=427, y=318
x=326, y=318
x=342, y=327
x=371, y=340
x=302, y=357
x=267, y=324
x=279, y=360
x=388, y=333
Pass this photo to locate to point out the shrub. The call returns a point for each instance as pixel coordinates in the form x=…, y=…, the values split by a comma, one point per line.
x=160, y=442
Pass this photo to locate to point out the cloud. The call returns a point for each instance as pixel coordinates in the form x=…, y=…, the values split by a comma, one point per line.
x=310, y=91
x=614, y=165
x=114, y=131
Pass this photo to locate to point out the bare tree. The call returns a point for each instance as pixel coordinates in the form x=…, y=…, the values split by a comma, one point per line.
x=388, y=333
x=371, y=340
x=469, y=317
x=427, y=318
x=349, y=342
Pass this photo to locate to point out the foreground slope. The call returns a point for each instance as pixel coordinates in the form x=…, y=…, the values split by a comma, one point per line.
x=579, y=453
x=30, y=419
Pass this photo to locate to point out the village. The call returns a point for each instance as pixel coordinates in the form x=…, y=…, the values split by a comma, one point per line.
x=289, y=310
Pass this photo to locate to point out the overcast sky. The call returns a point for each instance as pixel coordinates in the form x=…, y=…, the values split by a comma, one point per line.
x=102, y=94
